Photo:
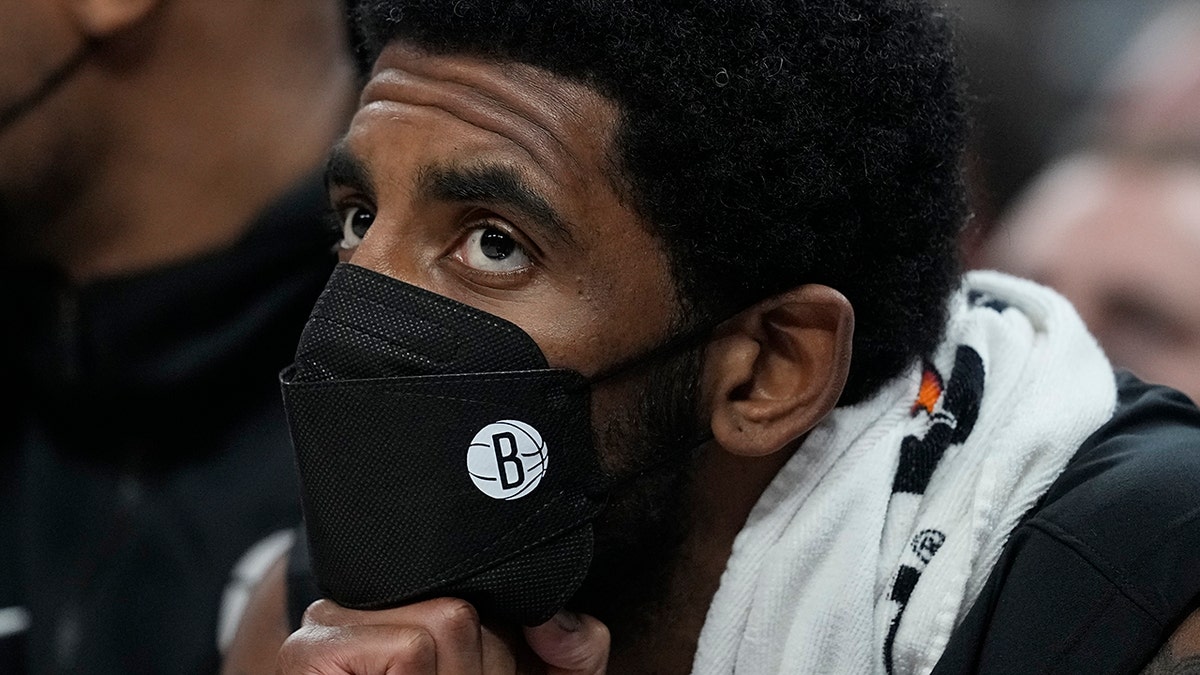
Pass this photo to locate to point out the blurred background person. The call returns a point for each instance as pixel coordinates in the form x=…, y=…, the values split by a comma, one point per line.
x=161, y=215
x=1151, y=97
x=1115, y=224
x=1034, y=68
x=1118, y=233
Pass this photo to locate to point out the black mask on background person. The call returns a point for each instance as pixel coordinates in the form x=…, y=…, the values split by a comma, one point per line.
x=439, y=454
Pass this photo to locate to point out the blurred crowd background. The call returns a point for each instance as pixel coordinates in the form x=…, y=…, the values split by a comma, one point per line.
x=1084, y=168
x=1038, y=70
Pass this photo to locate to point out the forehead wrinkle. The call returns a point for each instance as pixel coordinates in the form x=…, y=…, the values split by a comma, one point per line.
x=481, y=110
x=519, y=91
x=515, y=84
x=386, y=91
x=473, y=71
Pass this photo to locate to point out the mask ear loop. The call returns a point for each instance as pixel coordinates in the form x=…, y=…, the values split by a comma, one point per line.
x=690, y=339
x=49, y=84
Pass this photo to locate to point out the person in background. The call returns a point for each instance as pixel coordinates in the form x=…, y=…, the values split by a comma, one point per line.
x=163, y=241
x=1152, y=93
x=1031, y=67
x=1118, y=233
x=1115, y=226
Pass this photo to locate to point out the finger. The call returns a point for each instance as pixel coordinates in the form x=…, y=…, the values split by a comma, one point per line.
x=499, y=653
x=458, y=637
x=358, y=650
x=452, y=623
x=571, y=644
x=329, y=613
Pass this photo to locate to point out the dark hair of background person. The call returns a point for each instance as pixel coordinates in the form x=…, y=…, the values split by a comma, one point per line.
x=801, y=142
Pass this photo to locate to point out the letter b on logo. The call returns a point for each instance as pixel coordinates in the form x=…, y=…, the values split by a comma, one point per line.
x=507, y=462
x=507, y=459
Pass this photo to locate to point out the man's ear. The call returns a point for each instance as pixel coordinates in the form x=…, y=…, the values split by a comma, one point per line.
x=777, y=369
x=99, y=19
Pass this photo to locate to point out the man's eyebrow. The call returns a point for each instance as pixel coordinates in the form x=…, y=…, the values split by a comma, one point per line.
x=494, y=185
x=345, y=169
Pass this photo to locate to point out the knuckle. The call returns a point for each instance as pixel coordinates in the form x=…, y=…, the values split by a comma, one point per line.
x=318, y=613
x=458, y=616
x=415, y=649
x=287, y=657
x=300, y=652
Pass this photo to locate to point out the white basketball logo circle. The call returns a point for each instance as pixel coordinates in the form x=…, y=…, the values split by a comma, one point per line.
x=507, y=459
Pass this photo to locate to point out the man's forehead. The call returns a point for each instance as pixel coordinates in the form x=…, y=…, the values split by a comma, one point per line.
x=497, y=95
x=465, y=64
x=506, y=130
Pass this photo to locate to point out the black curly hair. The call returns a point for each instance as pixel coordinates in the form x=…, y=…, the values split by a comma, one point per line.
x=770, y=143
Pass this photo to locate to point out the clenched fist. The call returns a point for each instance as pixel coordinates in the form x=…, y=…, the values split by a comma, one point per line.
x=442, y=637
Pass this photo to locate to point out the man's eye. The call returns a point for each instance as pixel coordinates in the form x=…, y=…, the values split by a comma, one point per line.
x=355, y=222
x=490, y=249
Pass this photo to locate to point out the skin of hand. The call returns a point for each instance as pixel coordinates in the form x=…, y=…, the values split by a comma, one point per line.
x=1181, y=654
x=443, y=636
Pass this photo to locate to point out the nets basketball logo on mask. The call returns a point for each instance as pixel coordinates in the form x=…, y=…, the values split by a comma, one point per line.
x=387, y=375
x=507, y=459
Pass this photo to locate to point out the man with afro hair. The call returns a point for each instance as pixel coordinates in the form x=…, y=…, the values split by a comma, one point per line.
x=823, y=450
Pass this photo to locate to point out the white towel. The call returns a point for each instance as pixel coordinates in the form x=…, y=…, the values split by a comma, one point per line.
x=874, y=540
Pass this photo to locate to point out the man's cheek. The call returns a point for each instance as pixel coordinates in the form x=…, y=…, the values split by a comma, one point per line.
x=616, y=417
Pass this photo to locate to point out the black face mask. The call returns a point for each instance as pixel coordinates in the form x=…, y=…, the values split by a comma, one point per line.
x=439, y=454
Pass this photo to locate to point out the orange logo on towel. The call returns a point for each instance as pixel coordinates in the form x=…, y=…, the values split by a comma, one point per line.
x=931, y=391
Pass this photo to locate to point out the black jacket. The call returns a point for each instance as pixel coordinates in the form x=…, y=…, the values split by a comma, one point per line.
x=1106, y=566
x=151, y=448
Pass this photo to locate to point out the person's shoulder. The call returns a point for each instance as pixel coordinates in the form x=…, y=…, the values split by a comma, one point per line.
x=1106, y=566
x=1129, y=501
x=1148, y=412
x=1145, y=459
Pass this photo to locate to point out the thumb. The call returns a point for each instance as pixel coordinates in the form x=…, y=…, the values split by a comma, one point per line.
x=571, y=644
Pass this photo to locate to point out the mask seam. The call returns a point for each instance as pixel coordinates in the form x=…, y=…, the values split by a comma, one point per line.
x=459, y=309
x=464, y=568
x=378, y=339
x=369, y=383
